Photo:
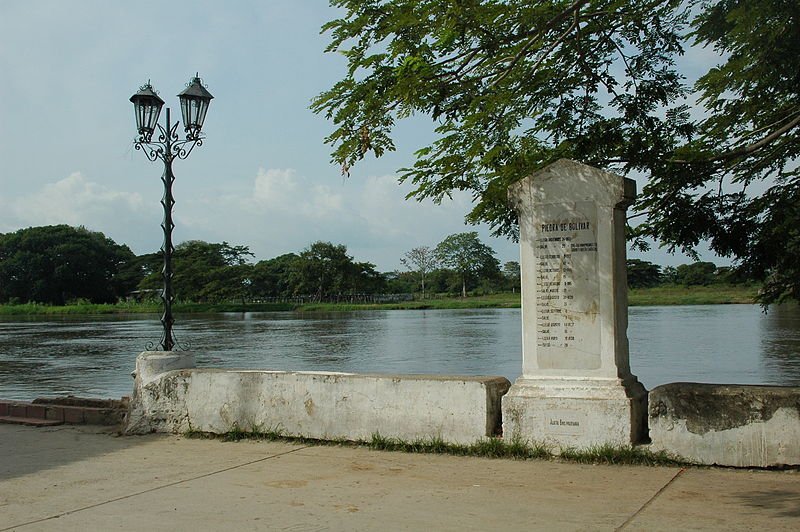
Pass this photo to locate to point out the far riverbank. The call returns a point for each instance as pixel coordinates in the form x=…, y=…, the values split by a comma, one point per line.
x=658, y=296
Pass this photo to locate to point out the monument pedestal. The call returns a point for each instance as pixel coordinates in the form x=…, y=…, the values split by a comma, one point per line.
x=576, y=412
x=576, y=387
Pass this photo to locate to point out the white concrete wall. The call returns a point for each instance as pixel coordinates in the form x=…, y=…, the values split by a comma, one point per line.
x=730, y=425
x=316, y=404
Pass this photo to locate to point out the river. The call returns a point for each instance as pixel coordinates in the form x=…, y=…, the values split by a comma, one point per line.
x=93, y=357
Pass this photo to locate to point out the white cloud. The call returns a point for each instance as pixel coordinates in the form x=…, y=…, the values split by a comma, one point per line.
x=75, y=200
x=281, y=189
x=284, y=211
x=280, y=211
x=274, y=187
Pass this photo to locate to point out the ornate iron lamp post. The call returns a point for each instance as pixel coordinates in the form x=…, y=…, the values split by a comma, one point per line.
x=167, y=147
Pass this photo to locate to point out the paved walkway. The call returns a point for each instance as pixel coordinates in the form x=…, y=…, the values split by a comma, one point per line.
x=82, y=478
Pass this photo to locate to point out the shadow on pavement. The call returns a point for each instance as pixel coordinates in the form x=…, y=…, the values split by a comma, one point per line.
x=25, y=450
x=780, y=502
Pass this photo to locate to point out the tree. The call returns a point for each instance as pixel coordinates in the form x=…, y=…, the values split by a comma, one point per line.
x=514, y=85
x=398, y=282
x=57, y=264
x=643, y=274
x=271, y=277
x=468, y=256
x=205, y=271
x=705, y=191
x=511, y=86
x=697, y=273
x=325, y=268
x=511, y=273
x=421, y=260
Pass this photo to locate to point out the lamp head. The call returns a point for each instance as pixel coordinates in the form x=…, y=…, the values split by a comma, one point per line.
x=147, y=106
x=194, y=106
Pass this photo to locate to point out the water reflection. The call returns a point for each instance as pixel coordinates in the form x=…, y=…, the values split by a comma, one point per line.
x=701, y=343
x=94, y=357
x=780, y=344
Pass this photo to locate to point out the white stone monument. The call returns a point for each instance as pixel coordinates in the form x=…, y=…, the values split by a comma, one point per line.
x=576, y=388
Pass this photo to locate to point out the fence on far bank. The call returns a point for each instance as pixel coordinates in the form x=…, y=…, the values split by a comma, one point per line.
x=334, y=298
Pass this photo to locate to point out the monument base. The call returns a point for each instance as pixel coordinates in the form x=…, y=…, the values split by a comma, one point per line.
x=576, y=412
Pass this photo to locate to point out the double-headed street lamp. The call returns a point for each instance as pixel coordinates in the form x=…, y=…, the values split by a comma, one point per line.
x=167, y=147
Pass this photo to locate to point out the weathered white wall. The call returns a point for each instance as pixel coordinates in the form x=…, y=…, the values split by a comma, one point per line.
x=314, y=404
x=731, y=425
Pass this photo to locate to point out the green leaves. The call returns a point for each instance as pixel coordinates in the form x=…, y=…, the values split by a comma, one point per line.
x=513, y=85
x=57, y=264
x=324, y=268
x=748, y=135
x=467, y=255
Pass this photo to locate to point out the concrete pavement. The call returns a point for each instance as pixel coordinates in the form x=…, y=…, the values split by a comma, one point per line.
x=85, y=478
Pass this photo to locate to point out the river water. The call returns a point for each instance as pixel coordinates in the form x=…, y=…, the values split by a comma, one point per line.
x=93, y=357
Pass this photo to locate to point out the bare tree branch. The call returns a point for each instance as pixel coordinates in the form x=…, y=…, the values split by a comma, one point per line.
x=749, y=148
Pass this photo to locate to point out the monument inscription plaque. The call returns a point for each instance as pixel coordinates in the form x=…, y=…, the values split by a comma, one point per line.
x=576, y=388
x=565, y=252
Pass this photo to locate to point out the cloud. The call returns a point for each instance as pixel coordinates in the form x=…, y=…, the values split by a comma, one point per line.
x=75, y=200
x=284, y=211
x=279, y=211
x=273, y=188
x=283, y=190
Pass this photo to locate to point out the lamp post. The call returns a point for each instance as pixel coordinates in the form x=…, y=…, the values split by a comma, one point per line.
x=167, y=147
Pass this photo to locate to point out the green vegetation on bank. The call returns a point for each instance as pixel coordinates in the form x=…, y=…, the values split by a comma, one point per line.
x=502, y=300
x=694, y=295
x=486, y=448
x=43, y=270
x=149, y=307
x=655, y=296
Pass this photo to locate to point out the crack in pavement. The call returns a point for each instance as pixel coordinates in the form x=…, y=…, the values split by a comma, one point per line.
x=149, y=490
x=629, y=520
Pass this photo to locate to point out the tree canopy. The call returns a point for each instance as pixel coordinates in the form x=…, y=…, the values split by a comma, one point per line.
x=204, y=271
x=643, y=274
x=420, y=260
x=514, y=85
x=325, y=268
x=468, y=256
x=58, y=264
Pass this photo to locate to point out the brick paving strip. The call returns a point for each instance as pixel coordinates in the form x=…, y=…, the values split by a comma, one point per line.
x=47, y=412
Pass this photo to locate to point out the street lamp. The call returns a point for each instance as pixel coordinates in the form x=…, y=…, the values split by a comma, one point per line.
x=167, y=147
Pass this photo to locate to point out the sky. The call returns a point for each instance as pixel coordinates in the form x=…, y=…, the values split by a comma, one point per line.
x=263, y=177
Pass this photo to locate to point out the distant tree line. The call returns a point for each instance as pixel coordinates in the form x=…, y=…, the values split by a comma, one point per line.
x=62, y=264
x=643, y=274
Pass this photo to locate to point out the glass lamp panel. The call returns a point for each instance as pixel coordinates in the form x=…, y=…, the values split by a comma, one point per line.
x=185, y=112
x=151, y=116
x=194, y=105
x=147, y=107
x=202, y=109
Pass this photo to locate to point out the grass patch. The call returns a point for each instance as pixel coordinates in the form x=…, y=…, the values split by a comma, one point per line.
x=486, y=448
x=32, y=309
x=695, y=295
x=657, y=296
x=610, y=454
x=238, y=434
x=153, y=307
x=504, y=300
